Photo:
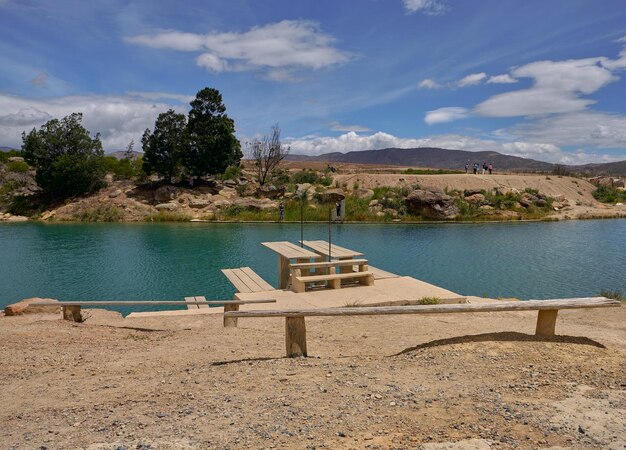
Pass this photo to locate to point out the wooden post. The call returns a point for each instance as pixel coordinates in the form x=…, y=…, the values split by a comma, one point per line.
x=72, y=312
x=230, y=321
x=283, y=272
x=546, y=322
x=295, y=336
x=296, y=284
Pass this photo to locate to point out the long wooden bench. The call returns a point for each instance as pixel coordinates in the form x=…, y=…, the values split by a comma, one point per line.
x=295, y=328
x=300, y=279
x=72, y=310
x=247, y=280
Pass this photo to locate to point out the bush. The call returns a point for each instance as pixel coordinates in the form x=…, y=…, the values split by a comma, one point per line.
x=614, y=295
x=429, y=301
x=18, y=166
x=608, y=194
x=4, y=156
x=305, y=176
x=100, y=214
x=231, y=173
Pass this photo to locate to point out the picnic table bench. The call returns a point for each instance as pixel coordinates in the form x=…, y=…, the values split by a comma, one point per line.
x=301, y=275
x=295, y=327
x=247, y=280
x=286, y=252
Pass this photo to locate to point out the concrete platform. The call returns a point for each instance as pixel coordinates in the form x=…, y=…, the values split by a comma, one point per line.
x=384, y=291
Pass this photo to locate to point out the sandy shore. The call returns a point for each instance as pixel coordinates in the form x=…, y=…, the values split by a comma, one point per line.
x=478, y=380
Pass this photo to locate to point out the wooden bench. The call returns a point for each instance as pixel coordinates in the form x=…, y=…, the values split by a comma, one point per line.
x=72, y=310
x=299, y=279
x=295, y=328
x=247, y=280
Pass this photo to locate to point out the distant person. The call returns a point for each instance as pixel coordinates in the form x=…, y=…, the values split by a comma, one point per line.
x=484, y=167
x=490, y=167
x=338, y=206
x=476, y=166
x=190, y=182
x=281, y=210
x=466, y=167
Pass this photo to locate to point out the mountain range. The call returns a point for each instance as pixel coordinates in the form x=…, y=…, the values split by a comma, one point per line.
x=441, y=158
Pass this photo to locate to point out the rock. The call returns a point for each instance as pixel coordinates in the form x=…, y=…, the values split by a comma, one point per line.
x=15, y=159
x=505, y=190
x=527, y=199
x=436, y=205
x=619, y=183
x=115, y=193
x=199, y=203
x=108, y=178
x=364, y=193
x=228, y=193
x=47, y=215
x=486, y=207
x=165, y=194
x=470, y=192
x=541, y=202
x=302, y=188
x=221, y=203
x=169, y=206
x=390, y=211
x=331, y=195
x=377, y=207
x=256, y=204
x=380, y=214
x=24, y=307
x=230, y=183
x=270, y=191
x=477, y=198
x=16, y=219
x=373, y=203
x=559, y=198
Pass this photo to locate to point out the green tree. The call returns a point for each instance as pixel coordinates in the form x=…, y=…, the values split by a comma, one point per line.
x=212, y=143
x=68, y=161
x=163, y=148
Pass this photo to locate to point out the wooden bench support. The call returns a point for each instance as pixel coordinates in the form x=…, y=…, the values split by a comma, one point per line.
x=72, y=313
x=295, y=336
x=546, y=322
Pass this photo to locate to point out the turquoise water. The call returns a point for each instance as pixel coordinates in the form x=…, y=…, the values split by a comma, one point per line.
x=170, y=261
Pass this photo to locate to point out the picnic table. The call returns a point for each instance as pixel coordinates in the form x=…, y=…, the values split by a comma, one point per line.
x=286, y=252
x=321, y=247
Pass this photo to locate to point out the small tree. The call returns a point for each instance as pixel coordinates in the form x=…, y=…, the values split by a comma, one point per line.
x=212, y=143
x=68, y=161
x=267, y=153
x=164, y=147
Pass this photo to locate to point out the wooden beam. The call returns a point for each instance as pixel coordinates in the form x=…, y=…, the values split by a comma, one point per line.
x=342, y=262
x=546, y=322
x=295, y=337
x=530, y=305
x=155, y=302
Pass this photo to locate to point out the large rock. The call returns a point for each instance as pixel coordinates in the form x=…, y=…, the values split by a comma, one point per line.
x=270, y=191
x=15, y=159
x=165, y=194
x=24, y=307
x=478, y=199
x=434, y=205
x=169, y=206
x=228, y=192
x=200, y=203
x=527, y=200
x=302, y=189
x=331, y=196
x=256, y=204
x=364, y=193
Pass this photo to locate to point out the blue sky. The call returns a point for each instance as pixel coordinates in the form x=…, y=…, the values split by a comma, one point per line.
x=539, y=79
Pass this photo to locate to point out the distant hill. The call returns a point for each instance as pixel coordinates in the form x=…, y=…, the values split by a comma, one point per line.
x=441, y=158
x=7, y=149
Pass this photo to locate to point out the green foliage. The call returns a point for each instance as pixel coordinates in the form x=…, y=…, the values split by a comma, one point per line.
x=100, y=214
x=4, y=156
x=231, y=173
x=164, y=148
x=280, y=177
x=20, y=206
x=429, y=301
x=68, y=161
x=167, y=216
x=532, y=191
x=212, y=145
x=305, y=176
x=608, y=194
x=18, y=166
x=124, y=169
x=614, y=295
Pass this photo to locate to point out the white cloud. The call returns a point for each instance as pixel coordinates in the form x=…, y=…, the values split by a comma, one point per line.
x=429, y=84
x=117, y=118
x=40, y=79
x=472, y=79
x=443, y=115
x=502, y=79
x=274, y=49
x=622, y=39
x=317, y=145
x=429, y=7
x=336, y=126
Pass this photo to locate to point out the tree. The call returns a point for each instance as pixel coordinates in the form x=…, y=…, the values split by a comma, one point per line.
x=268, y=153
x=212, y=145
x=68, y=161
x=164, y=148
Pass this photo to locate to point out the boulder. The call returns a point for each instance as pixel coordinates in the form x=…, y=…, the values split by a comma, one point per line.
x=228, y=192
x=115, y=193
x=470, y=192
x=169, y=206
x=165, y=194
x=15, y=159
x=270, y=191
x=331, y=196
x=527, y=200
x=363, y=193
x=541, y=202
x=230, y=183
x=486, y=207
x=221, y=202
x=435, y=205
x=478, y=199
x=390, y=211
x=302, y=188
x=16, y=219
x=505, y=190
x=256, y=204
x=373, y=203
x=619, y=183
x=23, y=307
x=200, y=203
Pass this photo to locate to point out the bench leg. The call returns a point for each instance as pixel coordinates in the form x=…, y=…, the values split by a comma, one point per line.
x=297, y=285
x=546, y=321
x=72, y=313
x=230, y=321
x=295, y=337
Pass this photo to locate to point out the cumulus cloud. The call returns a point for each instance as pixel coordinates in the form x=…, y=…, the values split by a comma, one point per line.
x=40, y=79
x=274, y=49
x=117, y=118
x=429, y=84
x=317, y=145
x=429, y=7
x=502, y=79
x=472, y=79
x=336, y=126
x=443, y=115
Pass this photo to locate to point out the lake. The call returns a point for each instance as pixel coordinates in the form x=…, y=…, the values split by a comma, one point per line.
x=170, y=261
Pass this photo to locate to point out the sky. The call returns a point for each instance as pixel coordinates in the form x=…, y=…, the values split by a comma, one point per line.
x=538, y=79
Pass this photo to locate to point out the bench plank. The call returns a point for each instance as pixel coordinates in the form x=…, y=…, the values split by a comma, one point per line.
x=234, y=278
x=191, y=302
x=261, y=283
x=343, y=262
x=201, y=299
x=529, y=305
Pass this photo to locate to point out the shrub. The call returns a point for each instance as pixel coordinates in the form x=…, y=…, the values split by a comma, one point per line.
x=18, y=166
x=429, y=301
x=231, y=173
x=305, y=176
x=608, y=194
x=100, y=214
x=615, y=295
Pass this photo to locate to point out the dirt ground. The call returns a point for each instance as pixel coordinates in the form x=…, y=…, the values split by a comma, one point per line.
x=443, y=381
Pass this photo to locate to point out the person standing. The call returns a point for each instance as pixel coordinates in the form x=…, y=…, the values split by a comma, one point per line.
x=490, y=167
x=466, y=167
x=281, y=210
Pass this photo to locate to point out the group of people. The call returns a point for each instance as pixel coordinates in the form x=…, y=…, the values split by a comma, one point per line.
x=485, y=167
